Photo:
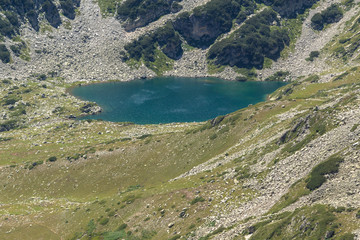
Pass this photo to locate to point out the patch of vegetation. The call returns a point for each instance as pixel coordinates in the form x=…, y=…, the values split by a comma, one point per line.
x=6, y=27
x=129, y=199
x=347, y=236
x=341, y=76
x=248, y=46
x=5, y=56
x=122, y=227
x=139, y=13
x=354, y=128
x=216, y=17
x=67, y=25
x=17, y=11
x=160, y=64
x=278, y=76
x=156, y=50
x=348, y=4
x=330, y=15
x=175, y=237
x=358, y=214
x=52, y=159
x=317, y=175
x=312, y=79
x=90, y=228
x=297, y=190
x=242, y=172
x=5, y=139
x=10, y=100
x=104, y=221
x=87, y=107
x=313, y=55
x=8, y=125
x=20, y=49
x=306, y=223
x=34, y=164
x=144, y=136
x=69, y=7
x=318, y=125
x=287, y=9
x=196, y=200
x=108, y=7
x=217, y=231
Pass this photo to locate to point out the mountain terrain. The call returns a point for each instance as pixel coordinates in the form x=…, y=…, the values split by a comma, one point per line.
x=286, y=168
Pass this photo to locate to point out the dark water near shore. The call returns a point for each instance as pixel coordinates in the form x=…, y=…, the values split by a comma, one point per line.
x=170, y=99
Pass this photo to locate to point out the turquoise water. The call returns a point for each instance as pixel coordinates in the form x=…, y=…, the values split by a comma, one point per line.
x=170, y=99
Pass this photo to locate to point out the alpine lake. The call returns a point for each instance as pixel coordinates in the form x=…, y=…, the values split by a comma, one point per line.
x=172, y=99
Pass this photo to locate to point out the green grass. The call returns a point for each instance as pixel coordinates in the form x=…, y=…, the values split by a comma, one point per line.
x=108, y=7
x=294, y=28
x=132, y=181
x=161, y=64
x=213, y=68
x=306, y=223
x=317, y=175
x=354, y=127
x=296, y=191
x=197, y=200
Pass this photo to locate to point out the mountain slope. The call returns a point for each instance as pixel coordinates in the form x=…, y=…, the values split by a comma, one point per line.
x=286, y=168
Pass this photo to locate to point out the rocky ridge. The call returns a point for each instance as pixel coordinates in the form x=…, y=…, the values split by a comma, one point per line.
x=89, y=49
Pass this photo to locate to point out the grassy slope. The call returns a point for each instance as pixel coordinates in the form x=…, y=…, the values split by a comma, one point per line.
x=58, y=195
x=125, y=177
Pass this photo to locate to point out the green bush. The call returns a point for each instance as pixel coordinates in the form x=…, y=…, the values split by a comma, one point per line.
x=104, y=221
x=10, y=100
x=90, y=227
x=51, y=13
x=42, y=77
x=139, y=13
x=196, y=200
x=251, y=43
x=6, y=28
x=34, y=164
x=122, y=227
x=215, y=16
x=318, y=218
x=68, y=8
x=287, y=8
x=339, y=209
x=13, y=19
x=317, y=21
x=17, y=11
x=8, y=125
x=4, y=54
x=52, y=159
x=313, y=55
x=358, y=214
x=330, y=15
x=317, y=175
x=145, y=47
x=278, y=76
x=348, y=3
